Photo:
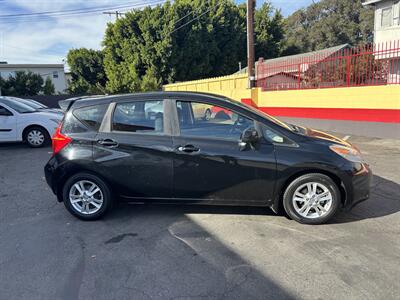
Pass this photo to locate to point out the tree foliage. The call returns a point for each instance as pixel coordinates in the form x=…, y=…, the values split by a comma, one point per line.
x=87, y=71
x=156, y=41
x=22, y=84
x=269, y=31
x=48, y=88
x=328, y=23
x=192, y=39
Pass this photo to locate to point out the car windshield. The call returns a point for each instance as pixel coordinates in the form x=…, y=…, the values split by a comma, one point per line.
x=37, y=104
x=32, y=103
x=18, y=106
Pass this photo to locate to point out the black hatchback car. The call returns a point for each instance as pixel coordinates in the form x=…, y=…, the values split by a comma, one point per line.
x=175, y=147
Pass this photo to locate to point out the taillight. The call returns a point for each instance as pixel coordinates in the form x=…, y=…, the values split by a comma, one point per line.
x=59, y=140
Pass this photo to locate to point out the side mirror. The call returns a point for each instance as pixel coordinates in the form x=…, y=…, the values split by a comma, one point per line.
x=249, y=137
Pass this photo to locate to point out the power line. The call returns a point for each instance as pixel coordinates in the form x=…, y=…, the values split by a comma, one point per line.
x=187, y=15
x=76, y=10
x=194, y=19
x=72, y=14
x=116, y=13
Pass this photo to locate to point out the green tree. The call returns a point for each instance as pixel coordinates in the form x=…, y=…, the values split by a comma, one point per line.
x=87, y=71
x=2, y=86
x=269, y=31
x=134, y=44
x=158, y=40
x=23, y=84
x=48, y=88
x=149, y=81
x=211, y=45
x=328, y=23
x=183, y=40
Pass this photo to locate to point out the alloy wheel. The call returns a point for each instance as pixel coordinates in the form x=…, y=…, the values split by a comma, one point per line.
x=86, y=197
x=312, y=200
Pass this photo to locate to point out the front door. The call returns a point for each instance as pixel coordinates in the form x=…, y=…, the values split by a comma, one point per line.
x=8, y=125
x=209, y=164
x=136, y=152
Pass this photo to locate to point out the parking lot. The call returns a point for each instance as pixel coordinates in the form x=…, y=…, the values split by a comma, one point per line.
x=196, y=252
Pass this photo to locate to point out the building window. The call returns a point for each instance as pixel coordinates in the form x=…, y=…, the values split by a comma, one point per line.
x=396, y=13
x=55, y=74
x=387, y=17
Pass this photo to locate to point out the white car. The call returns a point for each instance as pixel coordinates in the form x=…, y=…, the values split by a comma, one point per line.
x=20, y=122
x=37, y=105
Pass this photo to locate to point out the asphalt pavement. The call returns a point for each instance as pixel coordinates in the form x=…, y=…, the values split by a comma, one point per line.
x=195, y=252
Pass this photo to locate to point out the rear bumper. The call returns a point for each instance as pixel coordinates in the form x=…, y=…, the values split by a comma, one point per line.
x=49, y=173
x=358, y=185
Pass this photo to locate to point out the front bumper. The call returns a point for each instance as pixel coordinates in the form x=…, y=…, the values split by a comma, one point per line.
x=358, y=185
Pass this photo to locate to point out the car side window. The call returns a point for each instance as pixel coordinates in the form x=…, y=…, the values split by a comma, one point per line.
x=210, y=121
x=84, y=119
x=72, y=125
x=4, y=111
x=139, y=117
x=91, y=116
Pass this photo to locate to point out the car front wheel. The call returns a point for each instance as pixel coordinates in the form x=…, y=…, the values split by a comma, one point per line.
x=312, y=199
x=86, y=196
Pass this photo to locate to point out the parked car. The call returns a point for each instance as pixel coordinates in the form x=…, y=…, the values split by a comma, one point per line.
x=202, y=111
x=21, y=122
x=109, y=149
x=37, y=105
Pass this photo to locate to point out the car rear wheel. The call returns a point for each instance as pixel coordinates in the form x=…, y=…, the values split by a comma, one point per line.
x=311, y=199
x=86, y=196
x=36, y=137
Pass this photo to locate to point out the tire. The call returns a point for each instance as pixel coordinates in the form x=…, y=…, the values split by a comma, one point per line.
x=36, y=137
x=90, y=208
x=306, y=206
x=207, y=115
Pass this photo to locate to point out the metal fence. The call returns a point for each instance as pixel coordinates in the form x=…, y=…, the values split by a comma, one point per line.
x=364, y=65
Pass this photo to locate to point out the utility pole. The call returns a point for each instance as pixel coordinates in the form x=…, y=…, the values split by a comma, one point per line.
x=116, y=13
x=251, y=4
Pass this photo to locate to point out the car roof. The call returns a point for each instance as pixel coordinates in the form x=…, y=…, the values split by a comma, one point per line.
x=99, y=99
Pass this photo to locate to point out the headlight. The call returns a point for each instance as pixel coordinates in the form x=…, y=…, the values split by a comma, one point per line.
x=348, y=153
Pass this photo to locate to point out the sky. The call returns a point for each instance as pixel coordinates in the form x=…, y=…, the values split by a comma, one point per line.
x=47, y=39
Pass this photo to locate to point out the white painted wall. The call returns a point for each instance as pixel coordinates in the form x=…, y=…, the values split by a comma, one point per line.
x=55, y=72
x=383, y=32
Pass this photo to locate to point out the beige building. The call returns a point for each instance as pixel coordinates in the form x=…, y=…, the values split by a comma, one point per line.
x=54, y=71
x=387, y=34
x=387, y=20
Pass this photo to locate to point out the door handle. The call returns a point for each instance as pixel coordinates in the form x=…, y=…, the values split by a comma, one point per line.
x=188, y=149
x=107, y=143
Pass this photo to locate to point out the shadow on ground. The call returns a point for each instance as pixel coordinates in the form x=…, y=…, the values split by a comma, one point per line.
x=384, y=201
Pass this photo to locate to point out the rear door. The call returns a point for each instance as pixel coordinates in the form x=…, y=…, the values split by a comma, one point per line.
x=8, y=124
x=209, y=165
x=134, y=151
